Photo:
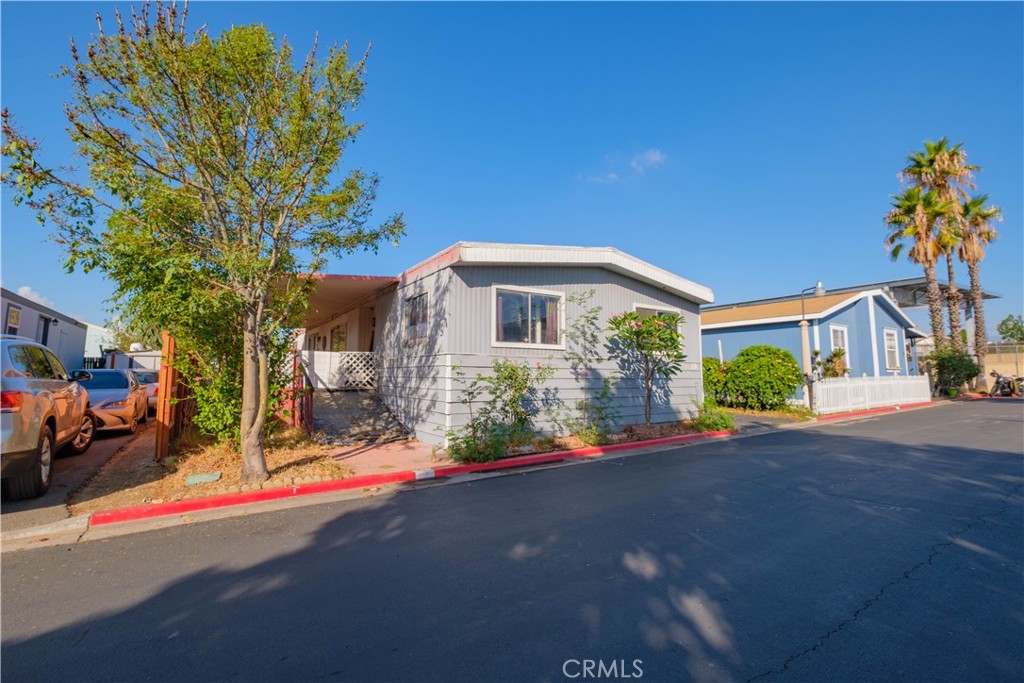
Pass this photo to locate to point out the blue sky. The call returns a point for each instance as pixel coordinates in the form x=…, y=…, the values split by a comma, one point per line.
x=749, y=147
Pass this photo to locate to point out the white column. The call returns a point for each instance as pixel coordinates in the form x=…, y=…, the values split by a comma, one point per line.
x=874, y=334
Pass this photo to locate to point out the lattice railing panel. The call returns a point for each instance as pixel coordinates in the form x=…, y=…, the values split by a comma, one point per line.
x=340, y=369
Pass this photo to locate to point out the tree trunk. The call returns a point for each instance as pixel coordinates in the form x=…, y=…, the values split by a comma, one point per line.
x=980, y=340
x=649, y=387
x=934, y=305
x=953, y=304
x=254, y=402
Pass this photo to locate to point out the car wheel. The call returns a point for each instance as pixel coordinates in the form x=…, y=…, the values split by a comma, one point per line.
x=144, y=416
x=133, y=424
x=36, y=482
x=80, y=444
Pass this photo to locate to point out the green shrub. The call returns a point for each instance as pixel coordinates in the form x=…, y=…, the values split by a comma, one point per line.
x=500, y=420
x=762, y=378
x=952, y=368
x=595, y=417
x=714, y=380
x=712, y=419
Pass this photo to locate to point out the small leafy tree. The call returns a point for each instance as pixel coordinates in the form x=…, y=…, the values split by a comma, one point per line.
x=762, y=377
x=216, y=162
x=595, y=414
x=649, y=345
x=1011, y=328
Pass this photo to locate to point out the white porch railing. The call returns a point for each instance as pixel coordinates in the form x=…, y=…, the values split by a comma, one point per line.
x=340, y=369
x=841, y=394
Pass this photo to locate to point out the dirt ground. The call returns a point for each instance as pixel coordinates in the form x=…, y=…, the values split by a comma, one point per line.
x=133, y=477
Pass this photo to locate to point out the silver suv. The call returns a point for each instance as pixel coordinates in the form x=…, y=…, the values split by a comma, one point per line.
x=42, y=410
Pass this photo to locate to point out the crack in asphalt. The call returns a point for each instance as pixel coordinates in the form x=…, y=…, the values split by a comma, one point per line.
x=935, y=550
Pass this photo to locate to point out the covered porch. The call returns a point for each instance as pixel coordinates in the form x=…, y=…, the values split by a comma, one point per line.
x=337, y=345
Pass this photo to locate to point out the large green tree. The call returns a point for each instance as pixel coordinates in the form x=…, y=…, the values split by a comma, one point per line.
x=943, y=168
x=912, y=222
x=978, y=217
x=216, y=162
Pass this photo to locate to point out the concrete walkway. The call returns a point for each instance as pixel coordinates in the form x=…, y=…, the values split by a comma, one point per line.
x=381, y=458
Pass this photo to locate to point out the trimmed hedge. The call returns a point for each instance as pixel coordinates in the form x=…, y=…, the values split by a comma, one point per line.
x=762, y=378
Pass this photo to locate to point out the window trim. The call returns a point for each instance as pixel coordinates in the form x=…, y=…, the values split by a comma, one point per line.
x=527, y=345
x=407, y=310
x=657, y=308
x=846, y=338
x=886, y=331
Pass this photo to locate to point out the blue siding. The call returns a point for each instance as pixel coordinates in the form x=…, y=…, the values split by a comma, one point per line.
x=885, y=317
x=858, y=335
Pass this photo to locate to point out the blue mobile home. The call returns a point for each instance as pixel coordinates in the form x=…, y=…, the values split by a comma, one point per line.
x=877, y=336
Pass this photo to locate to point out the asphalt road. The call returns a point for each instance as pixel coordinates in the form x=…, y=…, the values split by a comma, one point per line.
x=69, y=473
x=887, y=549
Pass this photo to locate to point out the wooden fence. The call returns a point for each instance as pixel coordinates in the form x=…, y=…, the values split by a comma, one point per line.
x=175, y=405
x=298, y=410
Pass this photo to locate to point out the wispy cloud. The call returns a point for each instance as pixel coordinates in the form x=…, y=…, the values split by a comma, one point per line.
x=649, y=159
x=33, y=295
x=620, y=168
x=604, y=179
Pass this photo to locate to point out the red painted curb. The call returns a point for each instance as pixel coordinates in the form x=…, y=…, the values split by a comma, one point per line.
x=874, y=411
x=212, y=502
x=558, y=456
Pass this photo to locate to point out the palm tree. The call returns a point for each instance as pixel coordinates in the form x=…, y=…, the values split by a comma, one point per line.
x=943, y=168
x=913, y=221
x=978, y=219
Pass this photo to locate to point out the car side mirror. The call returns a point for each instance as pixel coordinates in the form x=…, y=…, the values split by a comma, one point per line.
x=81, y=375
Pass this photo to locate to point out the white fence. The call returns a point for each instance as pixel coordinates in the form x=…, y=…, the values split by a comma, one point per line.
x=340, y=369
x=840, y=394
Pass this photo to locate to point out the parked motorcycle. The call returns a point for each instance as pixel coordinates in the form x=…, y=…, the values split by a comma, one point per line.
x=1004, y=385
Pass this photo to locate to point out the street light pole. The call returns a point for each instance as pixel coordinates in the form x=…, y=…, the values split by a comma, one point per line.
x=805, y=342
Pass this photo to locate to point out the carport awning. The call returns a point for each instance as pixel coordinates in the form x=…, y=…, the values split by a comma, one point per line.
x=337, y=293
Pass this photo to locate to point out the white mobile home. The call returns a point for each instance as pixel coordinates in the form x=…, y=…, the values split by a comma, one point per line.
x=409, y=336
x=64, y=335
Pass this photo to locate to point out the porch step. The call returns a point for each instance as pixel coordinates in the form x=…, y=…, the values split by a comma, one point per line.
x=354, y=416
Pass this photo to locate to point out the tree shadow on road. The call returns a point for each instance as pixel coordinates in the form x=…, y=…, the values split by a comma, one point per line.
x=734, y=560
